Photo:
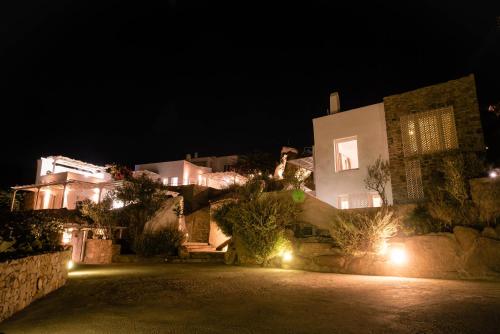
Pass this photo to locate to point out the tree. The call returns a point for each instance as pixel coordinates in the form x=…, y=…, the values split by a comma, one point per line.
x=255, y=162
x=379, y=175
x=100, y=214
x=142, y=197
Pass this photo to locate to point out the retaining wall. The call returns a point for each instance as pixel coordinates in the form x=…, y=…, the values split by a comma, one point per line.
x=24, y=280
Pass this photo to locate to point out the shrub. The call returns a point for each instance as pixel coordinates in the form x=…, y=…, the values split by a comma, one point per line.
x=259, y=224
x=31, y=232
x=164, y=242
x=101, y=215
x=220, y=216
x=142, y=197
x=419, y=221
x=357, y=232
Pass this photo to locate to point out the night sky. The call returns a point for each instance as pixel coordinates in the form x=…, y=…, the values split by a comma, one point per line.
x=106, y=81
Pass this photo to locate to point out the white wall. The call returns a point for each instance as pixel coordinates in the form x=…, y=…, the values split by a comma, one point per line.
x=368, y=124
x=182, y=169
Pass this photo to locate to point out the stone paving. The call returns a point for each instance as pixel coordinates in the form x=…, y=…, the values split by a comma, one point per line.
x=203, y=298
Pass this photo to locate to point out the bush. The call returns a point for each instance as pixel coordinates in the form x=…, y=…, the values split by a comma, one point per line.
x=220, y=216
x=31, y=232
x=164, y=242
x=259, y=224
x=356, y=232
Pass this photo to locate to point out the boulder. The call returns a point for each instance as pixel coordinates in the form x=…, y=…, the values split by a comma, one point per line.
x=312, y=249
x=485, y=259
x=489, y=232
x=466, y=237
x=335, y=262
x=433, y=255
x=300, y=262
x=368, y=264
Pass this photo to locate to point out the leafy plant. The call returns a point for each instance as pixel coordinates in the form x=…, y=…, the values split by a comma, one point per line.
x=255, y=163
x=142, y=197
x=363, y=232
x=259, y=224
x=164, y=242
x=101, y=214
x=31, y=232
x=220, y=215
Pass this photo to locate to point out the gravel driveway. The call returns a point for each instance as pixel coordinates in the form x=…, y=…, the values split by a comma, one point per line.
x=199, y=298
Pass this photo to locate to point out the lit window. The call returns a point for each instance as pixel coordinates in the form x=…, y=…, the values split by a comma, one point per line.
x=174, y=181
x=376, y=200
x=429, y=132
x=200, y=179
x=67, y=234
x=165, y=180
x=343, y=202
x=346, y=154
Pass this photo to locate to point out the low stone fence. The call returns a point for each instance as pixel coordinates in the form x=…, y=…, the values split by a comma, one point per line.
x=99, y=251
x=24, y=280
x=465, y=253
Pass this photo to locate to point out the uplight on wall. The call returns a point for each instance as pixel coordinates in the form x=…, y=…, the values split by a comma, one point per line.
x=287, y=256
x=398, y=256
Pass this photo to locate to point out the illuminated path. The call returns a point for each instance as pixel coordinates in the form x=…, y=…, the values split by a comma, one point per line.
x=165, y=298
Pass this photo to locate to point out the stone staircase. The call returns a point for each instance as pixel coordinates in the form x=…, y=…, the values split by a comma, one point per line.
x=199, y=252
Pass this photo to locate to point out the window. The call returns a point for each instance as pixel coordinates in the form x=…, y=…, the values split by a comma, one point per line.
x=429, y=132
x=376, y=200
x=414, y=179
x=174, y=181
x=346, y=154
x=343, y=202
x=165, y=180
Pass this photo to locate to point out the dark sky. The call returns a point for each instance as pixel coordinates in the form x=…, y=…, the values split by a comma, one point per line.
x=107, y=81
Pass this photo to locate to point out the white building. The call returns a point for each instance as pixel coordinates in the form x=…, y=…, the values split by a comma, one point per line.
x=62, y=182
x=217, y=164
x=183, y=172
x=176, y=173
x=345, y=144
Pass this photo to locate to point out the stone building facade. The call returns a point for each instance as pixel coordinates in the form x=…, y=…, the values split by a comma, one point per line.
x=424, y=126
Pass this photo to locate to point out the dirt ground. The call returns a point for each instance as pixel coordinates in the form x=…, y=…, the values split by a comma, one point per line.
x=199, y=298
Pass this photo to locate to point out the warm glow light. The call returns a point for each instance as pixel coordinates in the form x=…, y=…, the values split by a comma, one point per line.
x=493, y=174
x=70, y=265
x=398, y=256
x=382, y=250
x=287, y=256
x=46, y=199
x=66, y=237
x=174, y=181
x=117, y=204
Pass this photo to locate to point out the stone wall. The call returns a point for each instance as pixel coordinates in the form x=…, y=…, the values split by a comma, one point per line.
x=198, y=225
x=465, y=253
x=98, y=251
x=461, y=94
x=24, y=280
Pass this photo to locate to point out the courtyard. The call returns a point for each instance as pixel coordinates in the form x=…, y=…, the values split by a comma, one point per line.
x=203, y=298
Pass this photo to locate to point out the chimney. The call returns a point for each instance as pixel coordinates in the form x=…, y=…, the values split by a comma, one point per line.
x=188, y=156
x=334, y=103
